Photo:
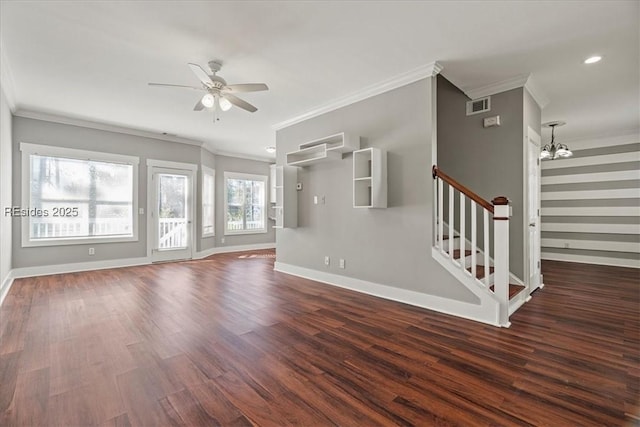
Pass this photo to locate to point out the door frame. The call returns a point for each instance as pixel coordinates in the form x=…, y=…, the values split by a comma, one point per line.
x=532, y=137
x=178, y=167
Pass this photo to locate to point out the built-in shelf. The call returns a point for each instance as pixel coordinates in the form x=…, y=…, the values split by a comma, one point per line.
x=370, y=178
x=323, y=149
x=286, y=202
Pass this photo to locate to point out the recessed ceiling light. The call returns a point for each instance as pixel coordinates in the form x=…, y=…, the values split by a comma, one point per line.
x=270, y=149
x=592, y=60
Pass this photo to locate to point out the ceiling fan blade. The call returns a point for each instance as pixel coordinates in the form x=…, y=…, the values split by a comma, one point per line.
x=198, y=106
x=201, y=74
x=169, y=85
x=246, y=87
x=240, y=103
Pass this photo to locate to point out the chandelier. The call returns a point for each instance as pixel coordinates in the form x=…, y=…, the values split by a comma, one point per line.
x=554, y=151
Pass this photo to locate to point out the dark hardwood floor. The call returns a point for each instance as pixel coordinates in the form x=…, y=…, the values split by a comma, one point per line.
x=227, y=341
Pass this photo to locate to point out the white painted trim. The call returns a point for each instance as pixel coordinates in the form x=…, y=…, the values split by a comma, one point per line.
x=625, y=193
x=577, y=144
x=592, y=245
x=443, y=305
x=45, y=270
x=604, y=159
x=236, y=248
x=538, y=95
x=585, y=259
x=592, y=177
x=172, y=165
x=5, y=285
x=266, y=159
x=592, y=228
x=428, y=70
x=73, y=121
x=592, y=211
x=7, y=82
x=497, y=87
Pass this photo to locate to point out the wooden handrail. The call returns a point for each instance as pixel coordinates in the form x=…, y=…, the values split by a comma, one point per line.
x=437, y=173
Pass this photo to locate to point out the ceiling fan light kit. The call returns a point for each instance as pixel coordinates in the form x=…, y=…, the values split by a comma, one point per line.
x=219, y=95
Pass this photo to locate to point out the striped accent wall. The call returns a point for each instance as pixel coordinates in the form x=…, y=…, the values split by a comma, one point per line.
x=591, y=203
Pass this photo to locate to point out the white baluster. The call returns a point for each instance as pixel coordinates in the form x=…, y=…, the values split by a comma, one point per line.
x=435, y=211
x=451, y=222
x=462, y=235
x=486, y=247
x=440, y=215
x=474, y=239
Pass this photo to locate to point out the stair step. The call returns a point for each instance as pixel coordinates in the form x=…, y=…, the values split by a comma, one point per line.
x=456, y=253
x=480, y=271
x=513, y=290
x=446, y=237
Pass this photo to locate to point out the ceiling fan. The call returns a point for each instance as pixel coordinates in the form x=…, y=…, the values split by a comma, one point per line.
x=219, y=95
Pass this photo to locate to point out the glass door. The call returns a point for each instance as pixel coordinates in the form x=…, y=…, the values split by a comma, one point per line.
x=172, y=216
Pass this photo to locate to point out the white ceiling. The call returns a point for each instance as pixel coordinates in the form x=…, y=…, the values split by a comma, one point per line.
x=92, y=60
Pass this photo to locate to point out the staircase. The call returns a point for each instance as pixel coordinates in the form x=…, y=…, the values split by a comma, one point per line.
x=459, y=251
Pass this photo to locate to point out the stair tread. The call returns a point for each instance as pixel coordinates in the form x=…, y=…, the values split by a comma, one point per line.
x=514, y=289
x=480, y=271
x=456, y=253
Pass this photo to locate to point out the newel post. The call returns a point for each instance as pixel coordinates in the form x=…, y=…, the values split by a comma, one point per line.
x=501, y=256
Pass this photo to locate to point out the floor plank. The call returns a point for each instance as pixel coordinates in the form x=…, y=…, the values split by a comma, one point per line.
x=228, y=341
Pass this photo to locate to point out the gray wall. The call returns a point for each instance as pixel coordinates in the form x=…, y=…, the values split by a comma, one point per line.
x=591, y=244
x=488, y=161
x=234, y=164
x=63, y=135
x=388, y=246
x=5, y=188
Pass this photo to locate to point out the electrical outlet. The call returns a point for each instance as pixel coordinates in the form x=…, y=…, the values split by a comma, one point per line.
x=141, y=211
x=222, y=240
x=315, y=200
x=92, y=251
x=341, y=263
x=327, y=260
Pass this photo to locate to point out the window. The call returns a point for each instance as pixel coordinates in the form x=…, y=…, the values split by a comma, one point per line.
x=76, y=196
x=245, y=203
x=208, y=193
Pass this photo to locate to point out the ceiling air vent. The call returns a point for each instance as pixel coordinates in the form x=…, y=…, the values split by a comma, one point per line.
x=479, y=105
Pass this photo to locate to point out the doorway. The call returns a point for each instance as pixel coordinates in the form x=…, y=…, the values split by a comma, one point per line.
x=171, y=211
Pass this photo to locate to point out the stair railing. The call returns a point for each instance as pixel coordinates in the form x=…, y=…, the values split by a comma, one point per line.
x=499, y=210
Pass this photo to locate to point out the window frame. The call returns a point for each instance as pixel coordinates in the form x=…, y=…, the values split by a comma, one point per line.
x=247, y=177
x=28, y=149
x=211, y=172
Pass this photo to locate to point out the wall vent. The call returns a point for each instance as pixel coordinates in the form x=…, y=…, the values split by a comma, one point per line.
x=479, y=105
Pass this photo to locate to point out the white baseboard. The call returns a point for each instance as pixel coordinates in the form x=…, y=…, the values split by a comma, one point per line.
x=237, y=248
x=586, y=259
x=465, y=310
x=5, y=285
x=44, y=270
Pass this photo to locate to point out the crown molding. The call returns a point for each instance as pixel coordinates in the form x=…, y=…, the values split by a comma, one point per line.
x=54, y=118
x=526, y=81
x=242, y=156
x=536, y=93
x=6, y=79
x=428, y=70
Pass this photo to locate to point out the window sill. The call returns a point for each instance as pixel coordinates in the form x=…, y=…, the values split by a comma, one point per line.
x=77, y=241
x=233, y=233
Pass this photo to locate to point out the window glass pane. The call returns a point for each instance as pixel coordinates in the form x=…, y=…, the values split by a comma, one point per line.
x=245, y=204
x=80, y=198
